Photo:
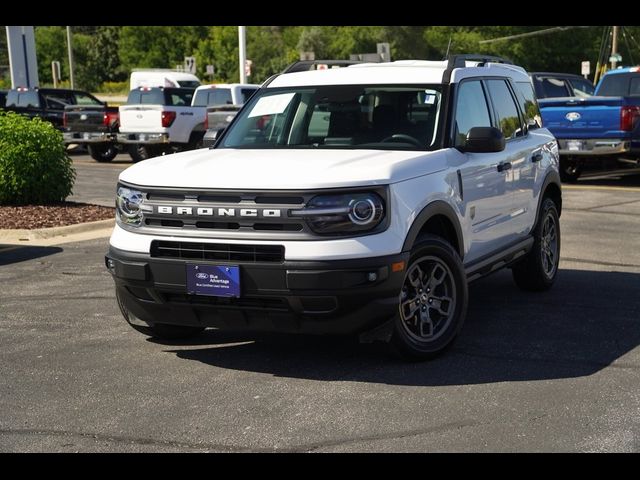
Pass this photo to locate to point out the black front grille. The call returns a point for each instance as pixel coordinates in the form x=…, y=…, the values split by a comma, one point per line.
x=218, y=251
x=258, y=303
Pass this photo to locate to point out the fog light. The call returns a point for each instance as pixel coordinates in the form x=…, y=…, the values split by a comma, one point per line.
x=111, y=265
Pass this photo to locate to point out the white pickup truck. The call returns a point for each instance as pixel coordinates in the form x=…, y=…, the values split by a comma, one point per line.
x=157, y=120
x=223, y=101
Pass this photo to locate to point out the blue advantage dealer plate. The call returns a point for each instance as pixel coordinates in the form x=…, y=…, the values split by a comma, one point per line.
x=213, y=280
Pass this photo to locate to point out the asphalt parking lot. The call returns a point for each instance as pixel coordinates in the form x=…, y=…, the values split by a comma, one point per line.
x=557, y=371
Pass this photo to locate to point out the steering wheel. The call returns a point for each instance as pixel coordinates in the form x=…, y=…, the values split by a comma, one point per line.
x=402, y=136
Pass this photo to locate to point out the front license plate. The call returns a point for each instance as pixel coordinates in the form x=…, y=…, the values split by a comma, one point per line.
x=575, y=145
x=86, y=136
x=213, y=280
x=142, y=138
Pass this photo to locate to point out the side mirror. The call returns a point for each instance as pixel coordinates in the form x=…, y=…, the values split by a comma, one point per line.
x=484, y=140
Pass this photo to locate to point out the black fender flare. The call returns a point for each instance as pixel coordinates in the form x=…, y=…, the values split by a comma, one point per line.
x=552, y=177
x=438, y=207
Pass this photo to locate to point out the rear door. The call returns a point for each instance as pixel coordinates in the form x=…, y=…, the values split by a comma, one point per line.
x=522, y=155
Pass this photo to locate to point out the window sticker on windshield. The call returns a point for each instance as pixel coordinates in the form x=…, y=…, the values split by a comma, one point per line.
x=271, y=105
x=430, y=97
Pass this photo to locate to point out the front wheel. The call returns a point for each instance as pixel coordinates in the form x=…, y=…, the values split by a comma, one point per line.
x=538, y=270
x=433, y=301
x=103, y=152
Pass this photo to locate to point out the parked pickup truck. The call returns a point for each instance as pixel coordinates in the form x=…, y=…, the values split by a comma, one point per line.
x=47, y=103
x=223, y=101
x=596, y=128
x=157, y=120
x=95, y=126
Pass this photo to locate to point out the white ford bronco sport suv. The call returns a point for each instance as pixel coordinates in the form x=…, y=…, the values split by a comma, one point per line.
x=358, y=200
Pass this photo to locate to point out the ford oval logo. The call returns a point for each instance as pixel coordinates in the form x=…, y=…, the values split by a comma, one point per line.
x=573, y=116
x=202, y=275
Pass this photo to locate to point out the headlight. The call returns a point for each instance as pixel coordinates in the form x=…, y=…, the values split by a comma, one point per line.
x=343, y=214
x=128, y=206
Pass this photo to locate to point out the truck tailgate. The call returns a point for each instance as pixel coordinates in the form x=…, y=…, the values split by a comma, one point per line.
x=85, y=119
x=594, y=117
x=141, y=118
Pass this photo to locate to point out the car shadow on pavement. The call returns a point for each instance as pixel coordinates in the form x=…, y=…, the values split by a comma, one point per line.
x=618, y=179
x=14, y=254
x=588, y=321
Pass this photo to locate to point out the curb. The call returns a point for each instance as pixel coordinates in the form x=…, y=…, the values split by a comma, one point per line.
x=50, y=236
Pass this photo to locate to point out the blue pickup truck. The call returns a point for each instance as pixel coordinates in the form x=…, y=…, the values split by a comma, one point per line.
x=589, y=129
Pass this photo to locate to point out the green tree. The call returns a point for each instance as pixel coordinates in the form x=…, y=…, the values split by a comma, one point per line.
x=51, y=45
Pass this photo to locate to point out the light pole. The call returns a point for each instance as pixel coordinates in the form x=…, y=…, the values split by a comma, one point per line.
x=242, y=40
x=70, y=47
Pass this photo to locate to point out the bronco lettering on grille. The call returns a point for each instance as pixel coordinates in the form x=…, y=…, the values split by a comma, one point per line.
x=220, y=212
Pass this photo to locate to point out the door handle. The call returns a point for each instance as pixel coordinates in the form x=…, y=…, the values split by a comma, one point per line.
x=536, y=157
x=504, y=166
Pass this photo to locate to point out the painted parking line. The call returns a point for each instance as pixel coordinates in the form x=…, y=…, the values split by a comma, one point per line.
x=597, y=187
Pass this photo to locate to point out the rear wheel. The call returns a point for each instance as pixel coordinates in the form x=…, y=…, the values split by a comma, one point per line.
x=103, y=152
x=570, y=169
x=538, y=270
x=433, y=301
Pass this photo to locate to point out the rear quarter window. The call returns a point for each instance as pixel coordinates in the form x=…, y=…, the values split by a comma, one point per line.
x=529, y=104
x=616, y=85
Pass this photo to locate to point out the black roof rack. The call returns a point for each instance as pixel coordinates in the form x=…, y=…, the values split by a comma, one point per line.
x=307, y=65
x=459, y=61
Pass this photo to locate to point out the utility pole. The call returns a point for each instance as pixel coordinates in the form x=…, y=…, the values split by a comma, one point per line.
x=70, y=47
x=614, y=48
x=242, y=40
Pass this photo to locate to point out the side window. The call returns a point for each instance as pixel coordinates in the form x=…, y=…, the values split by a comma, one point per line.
x=471, y=110
x=85, y=99
x=505, y=107
x=614, y=85
x=529, y=105
x=554, y=88
x=582, y=88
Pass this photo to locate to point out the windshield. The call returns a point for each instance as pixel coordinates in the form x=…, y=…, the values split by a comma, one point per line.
x=339, y=116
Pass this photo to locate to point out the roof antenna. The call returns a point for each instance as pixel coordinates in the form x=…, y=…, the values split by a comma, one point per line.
x=448, y=47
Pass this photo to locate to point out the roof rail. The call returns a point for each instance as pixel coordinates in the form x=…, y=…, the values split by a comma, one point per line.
x=459, y=61
x=307, y=65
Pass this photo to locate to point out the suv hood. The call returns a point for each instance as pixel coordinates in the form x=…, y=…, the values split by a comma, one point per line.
x=282, y=169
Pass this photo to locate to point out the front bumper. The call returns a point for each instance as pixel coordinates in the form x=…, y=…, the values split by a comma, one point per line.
x=593, y=147
x=146, y=138
x=329, y=297
x=88, y=137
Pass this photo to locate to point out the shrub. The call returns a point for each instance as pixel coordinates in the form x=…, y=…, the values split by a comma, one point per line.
x=34, y=165
x=120, y=88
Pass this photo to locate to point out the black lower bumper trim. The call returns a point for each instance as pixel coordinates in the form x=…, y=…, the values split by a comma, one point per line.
x=332, y=297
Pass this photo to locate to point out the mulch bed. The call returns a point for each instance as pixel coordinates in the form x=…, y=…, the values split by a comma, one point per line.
x=56, y=215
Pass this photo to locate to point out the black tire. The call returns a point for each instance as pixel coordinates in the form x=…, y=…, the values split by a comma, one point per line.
x=537, y=271
x=570, y=169
x=158, y=330
x=414, y=338
x=103, y=152
x=139, y=152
